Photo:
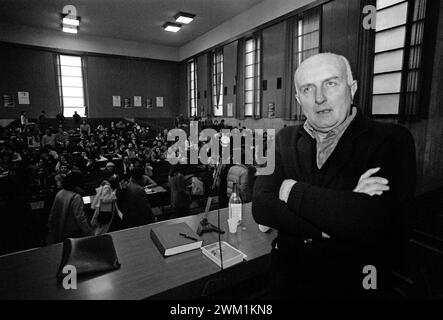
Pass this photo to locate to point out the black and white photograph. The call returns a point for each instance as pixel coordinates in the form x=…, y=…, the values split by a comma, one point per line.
x=221, y=155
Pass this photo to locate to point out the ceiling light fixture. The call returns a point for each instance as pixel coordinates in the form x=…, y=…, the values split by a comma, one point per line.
x=183, y=17
x=172, y=27
x=69, y=29
x=70, y=21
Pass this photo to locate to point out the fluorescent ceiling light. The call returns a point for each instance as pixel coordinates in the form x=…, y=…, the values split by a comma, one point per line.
x=171, y=27
x=69, y=29
x=183, y=17
x=71, y=21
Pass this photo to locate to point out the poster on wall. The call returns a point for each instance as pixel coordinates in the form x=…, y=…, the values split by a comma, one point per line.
x=149, y=103
x=159, y=102
x=230, y=109
x=8, y=100
x=137, y=101
x=23, y=97
x=271, y=110
x=116, y=101
x=126, y=103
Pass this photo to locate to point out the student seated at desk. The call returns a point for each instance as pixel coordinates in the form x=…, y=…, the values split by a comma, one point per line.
x=147, y=180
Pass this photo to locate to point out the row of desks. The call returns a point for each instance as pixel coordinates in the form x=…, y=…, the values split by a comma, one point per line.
x=144, y=272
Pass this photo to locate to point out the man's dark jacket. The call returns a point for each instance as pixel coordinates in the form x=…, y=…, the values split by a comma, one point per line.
x=364, y=230
x=134, y=204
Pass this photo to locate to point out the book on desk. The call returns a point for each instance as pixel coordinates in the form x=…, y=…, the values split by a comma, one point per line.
x=175, y=238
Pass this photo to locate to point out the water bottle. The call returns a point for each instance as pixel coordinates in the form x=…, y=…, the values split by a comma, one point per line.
x=235, y=205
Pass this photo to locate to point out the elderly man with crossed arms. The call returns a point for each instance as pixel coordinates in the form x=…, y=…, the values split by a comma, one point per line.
x=341, y=194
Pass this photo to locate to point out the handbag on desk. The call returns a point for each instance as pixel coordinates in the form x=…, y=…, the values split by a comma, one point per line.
x=89, y=254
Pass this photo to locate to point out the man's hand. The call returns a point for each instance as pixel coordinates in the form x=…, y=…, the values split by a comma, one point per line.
x=372, y=185
x=285, y=189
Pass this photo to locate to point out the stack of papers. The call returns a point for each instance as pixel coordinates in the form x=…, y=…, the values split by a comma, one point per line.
x=231, y=256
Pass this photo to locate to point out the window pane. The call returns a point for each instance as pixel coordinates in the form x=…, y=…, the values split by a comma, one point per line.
x=386, y=3
x=417, y=33
x=72, y=82
x=389, y=61
x=71, y=71
x=218, y=111
x=419, y=10
x=70, y=61
x=311, y=22
x=249, y=96
x=249, y=73
x=311, y=40
x=249, y=58
x=248, y=109
x=249, y=45
x=386, y=104
x=415, y=58
x=72, y=92
x=249, y=84
x=412, y=81
x=391, y=39
x=73, y=102
x=391, y=17
x=387, y=83
x=68, y=112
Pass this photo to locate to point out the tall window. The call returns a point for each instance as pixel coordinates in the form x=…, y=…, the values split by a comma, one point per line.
x=71, y=85
x=192, y=76
x=305, y=43
x=252, y=76
x=398, y=56
x=217, y=82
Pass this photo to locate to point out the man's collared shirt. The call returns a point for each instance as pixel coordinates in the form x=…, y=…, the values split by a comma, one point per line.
x=326, y=142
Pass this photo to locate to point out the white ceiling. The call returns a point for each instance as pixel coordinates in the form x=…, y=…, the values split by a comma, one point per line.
x=132, y=20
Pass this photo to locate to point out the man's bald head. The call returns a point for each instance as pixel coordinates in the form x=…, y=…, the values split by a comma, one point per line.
x=325, y=90
x=325, y=58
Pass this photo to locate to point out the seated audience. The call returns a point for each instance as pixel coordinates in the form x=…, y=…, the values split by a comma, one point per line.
x=61, y=138
x=48, y=138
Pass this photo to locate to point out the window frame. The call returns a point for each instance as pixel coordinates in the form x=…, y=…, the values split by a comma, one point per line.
x=255, y=79
x=192, y=86
x=217, y=58
x=61, y=87
x=406, y=70
x=295, y=57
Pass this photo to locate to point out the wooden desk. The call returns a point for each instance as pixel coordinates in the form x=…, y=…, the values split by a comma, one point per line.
x=144, y=272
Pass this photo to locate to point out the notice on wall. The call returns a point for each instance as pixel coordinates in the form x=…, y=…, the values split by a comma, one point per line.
x=8, y=100
x=116, y=101
x=23, y=97
x=159, y=102
x=271, y=110
x=137, y=101
x=126, y=103
x=230, y=109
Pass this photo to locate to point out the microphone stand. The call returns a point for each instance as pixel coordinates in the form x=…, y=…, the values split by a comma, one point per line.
x=204, y=225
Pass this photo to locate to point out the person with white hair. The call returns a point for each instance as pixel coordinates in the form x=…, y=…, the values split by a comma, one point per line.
x=341, y=194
